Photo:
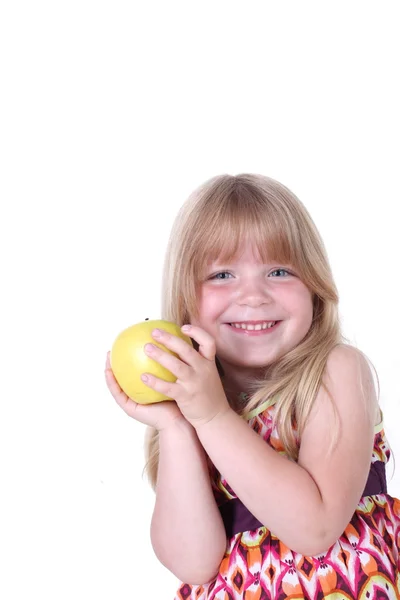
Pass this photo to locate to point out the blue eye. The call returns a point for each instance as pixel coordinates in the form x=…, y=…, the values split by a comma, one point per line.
x=220, y=276
x=280, y=270
x=221, y=273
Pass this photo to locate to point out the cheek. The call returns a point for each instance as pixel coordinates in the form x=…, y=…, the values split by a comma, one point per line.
x=306, y=301
x=300, y=302
x=211, y=302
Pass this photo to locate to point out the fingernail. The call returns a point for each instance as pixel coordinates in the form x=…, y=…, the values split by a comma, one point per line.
x=144, y=378
x=149, y=347
x=156, y=333
x=186, y=328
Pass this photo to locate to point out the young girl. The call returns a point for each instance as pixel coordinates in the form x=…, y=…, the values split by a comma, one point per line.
x=269, y=467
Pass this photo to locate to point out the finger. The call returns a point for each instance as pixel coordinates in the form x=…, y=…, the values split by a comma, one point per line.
x=159, y=385
x=114, y=386
x=126, y=403
x=206, y=342
x=169, y=361
x=108, y=372
x=178, y=345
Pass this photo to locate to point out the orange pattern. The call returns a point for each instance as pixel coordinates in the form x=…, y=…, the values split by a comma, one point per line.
x=362, y=564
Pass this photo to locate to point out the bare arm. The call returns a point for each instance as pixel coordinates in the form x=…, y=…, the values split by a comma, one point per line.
x=187, y=531
x=306, y=504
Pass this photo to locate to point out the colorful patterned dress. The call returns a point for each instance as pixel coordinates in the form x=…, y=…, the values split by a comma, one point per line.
x=364, y=563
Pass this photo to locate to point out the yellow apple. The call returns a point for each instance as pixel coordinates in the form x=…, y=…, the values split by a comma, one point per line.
x=129, y=360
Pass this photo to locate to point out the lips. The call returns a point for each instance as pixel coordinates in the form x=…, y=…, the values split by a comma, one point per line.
x=254, y=332
x=253, y=325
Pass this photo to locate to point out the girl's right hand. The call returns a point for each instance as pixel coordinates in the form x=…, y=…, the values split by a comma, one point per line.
x=159, y=415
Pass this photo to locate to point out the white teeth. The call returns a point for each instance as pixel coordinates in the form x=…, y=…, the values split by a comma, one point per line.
x=257, y=327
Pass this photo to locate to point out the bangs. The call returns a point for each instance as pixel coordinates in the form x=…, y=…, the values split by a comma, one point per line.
x=224, y=215
x=267, y=231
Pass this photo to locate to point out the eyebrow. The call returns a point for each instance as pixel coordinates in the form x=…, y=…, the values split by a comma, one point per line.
x=235, y=264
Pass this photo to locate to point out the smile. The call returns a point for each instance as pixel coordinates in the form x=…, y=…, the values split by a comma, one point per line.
x=260, y=328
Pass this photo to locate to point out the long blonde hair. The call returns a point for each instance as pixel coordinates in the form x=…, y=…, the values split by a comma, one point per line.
x=217, y=217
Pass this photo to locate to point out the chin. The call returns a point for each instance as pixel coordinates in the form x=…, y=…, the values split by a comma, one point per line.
x=250, y=365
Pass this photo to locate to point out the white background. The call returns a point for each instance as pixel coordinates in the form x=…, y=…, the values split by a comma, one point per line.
x=111, y=114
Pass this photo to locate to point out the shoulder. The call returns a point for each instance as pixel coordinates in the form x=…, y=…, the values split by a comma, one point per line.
x=346, y=394
x=337, y=440
x=348, y=372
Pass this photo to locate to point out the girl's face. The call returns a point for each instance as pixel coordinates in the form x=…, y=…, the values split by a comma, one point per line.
x=247, y=291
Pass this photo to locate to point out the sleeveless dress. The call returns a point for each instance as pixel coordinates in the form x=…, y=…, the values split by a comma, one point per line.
x=364, y=563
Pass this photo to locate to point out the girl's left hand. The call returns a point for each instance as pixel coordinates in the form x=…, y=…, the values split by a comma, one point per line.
x=198, y=390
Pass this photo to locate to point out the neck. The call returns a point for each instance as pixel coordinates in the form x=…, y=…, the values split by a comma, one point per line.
x=237, y=379
x=234, y=393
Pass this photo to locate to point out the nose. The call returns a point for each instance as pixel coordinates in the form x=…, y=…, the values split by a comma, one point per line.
x=254, y=293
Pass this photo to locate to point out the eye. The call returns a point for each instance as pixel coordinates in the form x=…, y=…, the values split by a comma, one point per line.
x=218, y=275
x=280, y=271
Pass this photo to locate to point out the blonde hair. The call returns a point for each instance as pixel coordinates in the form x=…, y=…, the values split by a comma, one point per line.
x=219, y=216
